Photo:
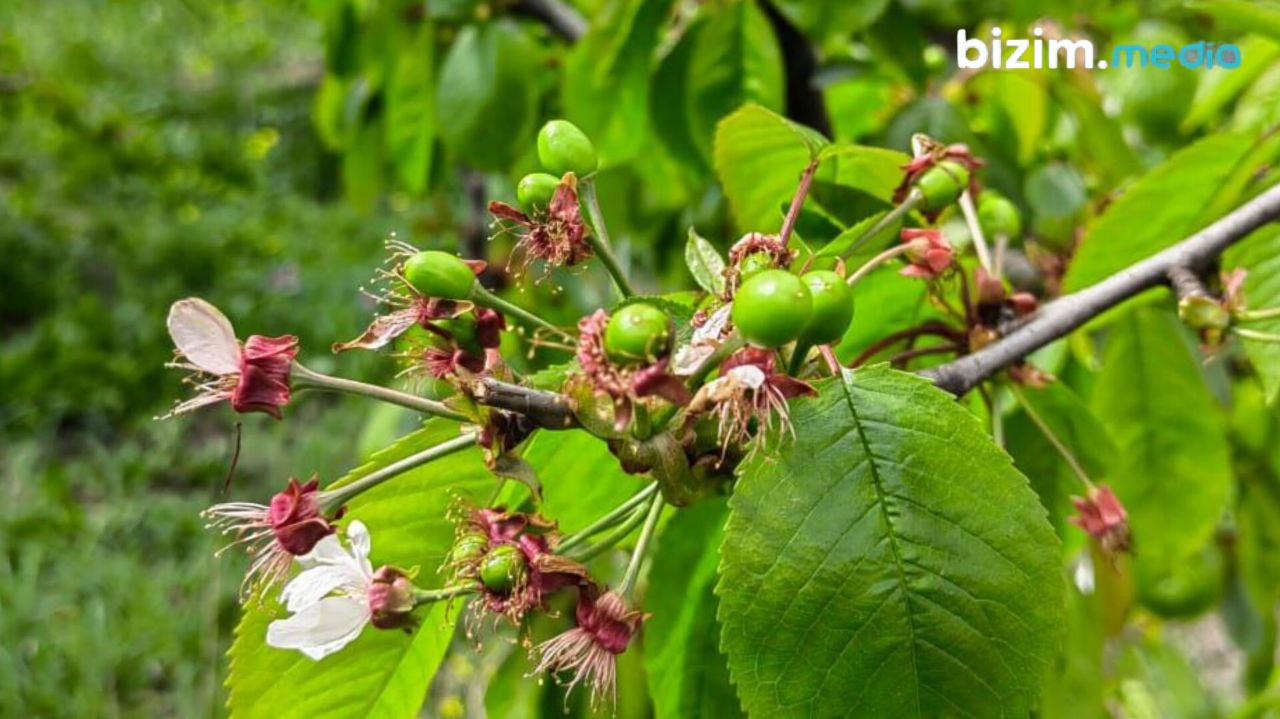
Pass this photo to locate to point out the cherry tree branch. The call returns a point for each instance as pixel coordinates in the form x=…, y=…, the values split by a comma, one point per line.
x=1069, y=312
x=546, y=409
x=563, y=19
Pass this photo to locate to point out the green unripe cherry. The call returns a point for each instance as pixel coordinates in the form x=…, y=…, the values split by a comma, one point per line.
x=440, y=274
x=753, y=264
x=536, y=190
x=998, y=216
x=502, y=568
x=771, y=308
x=942, y=184
x=637, y=333
x=562, y=148
x=832, y=307
x=469, y=547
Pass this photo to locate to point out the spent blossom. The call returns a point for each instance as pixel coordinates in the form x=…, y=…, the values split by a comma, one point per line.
x=1101, y=515
x=253, y=377
x=589, y=651
x=273, y=534
x=556, y=235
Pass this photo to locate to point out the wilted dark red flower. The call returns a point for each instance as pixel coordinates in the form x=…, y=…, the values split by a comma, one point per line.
x=928, y=254
x=252, y=378
x=480, y=531
x=273, y=534
x=605, y=627
x=557, y=235
x=749, y=390
x=408, y=306
x=1101, y=515
x=624, y=385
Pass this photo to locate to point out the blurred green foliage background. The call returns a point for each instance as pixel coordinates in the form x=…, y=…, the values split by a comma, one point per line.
x=149, y=151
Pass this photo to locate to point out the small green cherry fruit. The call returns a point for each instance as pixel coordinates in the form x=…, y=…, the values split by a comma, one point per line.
x=942, y=184
x=637, y=333
x=562, y=147
x=440, y=274
x=771, y=308
x=502, y=568
x=536, y=190
x=832, y=307
x=998, y=216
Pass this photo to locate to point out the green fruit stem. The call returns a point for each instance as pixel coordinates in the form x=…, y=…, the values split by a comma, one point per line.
x=485, y=298
x=429, y=596
x=599, y=239
x=1050, y=435
x=619, y=533
x=332, y=499
x=304, y=379
x=798, y=355
x=897, y=213
x=1256, y=336
x=1257, y=315
x=875, y=262
x=614, y=516
x=1002, y=248
x=975, y=231
x=642, y=544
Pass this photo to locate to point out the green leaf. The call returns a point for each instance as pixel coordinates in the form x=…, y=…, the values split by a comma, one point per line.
x=411, y=112
x=1259, y=253
x=362, y=167
x=705, y=263
x=825, y=19
x=1162, y=208
x=856, y=181
x=1022, y=104
x=1174, y=471
x=890, y=563
x=759, y=157
x=1102, y=144
x=688, y=676
x=486, y=90
x=1220, y=85
x=382, y=673
x=884, y=302
x=736, y=60
x=583, y=479
x=1243, y=15
x=606, y=83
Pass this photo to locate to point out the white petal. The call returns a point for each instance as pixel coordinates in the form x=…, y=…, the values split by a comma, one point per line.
x=714, y=326
x=358, y=535
x=748, y=375
x=316, y=583
x=204, y=336
x=690, y=357
x=328, y=550
x=322, y=628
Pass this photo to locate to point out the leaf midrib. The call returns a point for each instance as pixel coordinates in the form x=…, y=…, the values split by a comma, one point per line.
x=882, y=502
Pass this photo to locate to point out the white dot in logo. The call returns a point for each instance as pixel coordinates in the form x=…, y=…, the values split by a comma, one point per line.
x=1102, y=64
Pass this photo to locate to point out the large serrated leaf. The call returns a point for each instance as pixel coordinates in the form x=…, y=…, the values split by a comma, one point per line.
x=759, y=157
x=383, y=673
x=889, y=563
x=1259, y=254
x=705, y=263
x=1173, y=471
x=688, y=676
x=606, y=84
x=1163, y=207
x=582, y=479
x=486, y=93
x=411, y=111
